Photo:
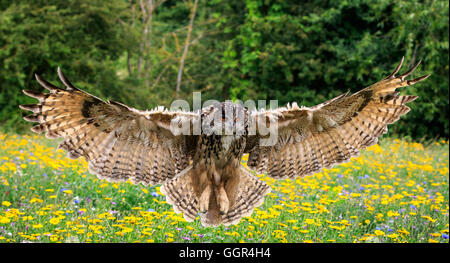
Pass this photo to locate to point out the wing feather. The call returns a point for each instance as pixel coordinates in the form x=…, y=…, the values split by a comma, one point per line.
x=332, y=132
x=119, y=142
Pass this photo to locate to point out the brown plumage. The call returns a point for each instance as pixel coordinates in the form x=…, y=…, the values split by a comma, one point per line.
x=202, y=174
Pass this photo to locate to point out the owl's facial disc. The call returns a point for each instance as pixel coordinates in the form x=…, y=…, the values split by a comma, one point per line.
x=224, y=118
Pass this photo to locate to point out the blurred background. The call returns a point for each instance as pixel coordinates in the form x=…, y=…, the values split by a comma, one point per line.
x=146, y=53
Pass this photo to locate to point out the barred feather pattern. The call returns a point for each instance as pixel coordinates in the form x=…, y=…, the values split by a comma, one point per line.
x=310, y=139
x=120, y=143
x=249, y=195
x=245, y=196
x=180, y=192
x=245, y=192
x=258, y=158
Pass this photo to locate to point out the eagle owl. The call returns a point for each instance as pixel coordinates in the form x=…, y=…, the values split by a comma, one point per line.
x=201, y=174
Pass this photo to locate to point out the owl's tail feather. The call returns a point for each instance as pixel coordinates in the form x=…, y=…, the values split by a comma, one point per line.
x=180, y=193
x=248, y=193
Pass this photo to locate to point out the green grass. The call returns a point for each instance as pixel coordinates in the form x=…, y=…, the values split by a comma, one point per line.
x=395, y=192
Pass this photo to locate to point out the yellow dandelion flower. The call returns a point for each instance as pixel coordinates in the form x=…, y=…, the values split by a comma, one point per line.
x=379, y=233
x=392, y=236
x=336, y=227
x=392, y=214
x=4, y=220
x=429, y=219
x=36, y=200
x=54, y=221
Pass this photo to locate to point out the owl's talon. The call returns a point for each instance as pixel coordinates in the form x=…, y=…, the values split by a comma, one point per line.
x=222, y=202
x=204, y=199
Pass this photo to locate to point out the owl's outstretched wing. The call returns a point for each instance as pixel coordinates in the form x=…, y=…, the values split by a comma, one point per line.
x=310, y=139
x=119, y=142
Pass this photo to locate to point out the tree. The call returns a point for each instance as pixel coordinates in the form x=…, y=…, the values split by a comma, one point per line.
x=144, y=52
x=316, y=50
x=82, y=37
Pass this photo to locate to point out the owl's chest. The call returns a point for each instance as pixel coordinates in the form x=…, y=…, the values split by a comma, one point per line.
x=220, y=150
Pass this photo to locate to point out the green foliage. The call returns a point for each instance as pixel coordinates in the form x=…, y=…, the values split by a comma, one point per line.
x=307, y=52
x=314, y=51
x=82, y=37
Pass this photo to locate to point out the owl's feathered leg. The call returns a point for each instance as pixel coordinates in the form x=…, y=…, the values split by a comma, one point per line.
x=244, y=192
x=226, y=203
x=223, y=203
x=204, y=199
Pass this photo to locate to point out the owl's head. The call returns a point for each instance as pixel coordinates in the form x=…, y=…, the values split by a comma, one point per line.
x=224, y=118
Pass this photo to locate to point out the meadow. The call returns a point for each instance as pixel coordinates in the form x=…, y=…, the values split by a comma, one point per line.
x=395, y=191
